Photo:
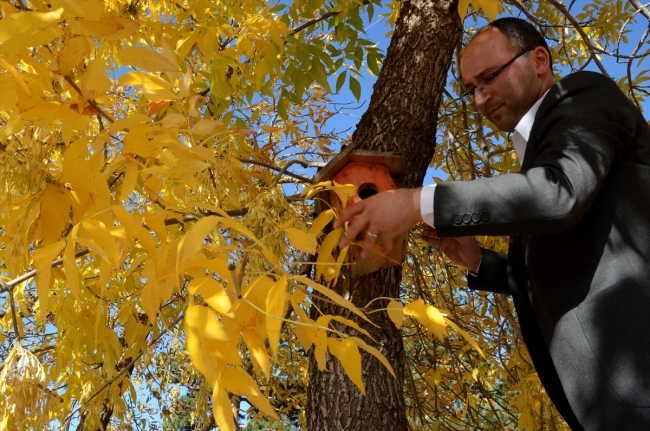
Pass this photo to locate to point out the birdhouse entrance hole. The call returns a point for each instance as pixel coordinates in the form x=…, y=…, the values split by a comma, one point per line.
x=366, y=190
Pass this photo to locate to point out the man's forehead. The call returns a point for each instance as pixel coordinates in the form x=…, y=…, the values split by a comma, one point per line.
x=483, y=53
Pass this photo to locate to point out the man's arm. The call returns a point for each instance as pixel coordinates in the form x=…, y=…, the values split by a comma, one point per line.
x=492, y=275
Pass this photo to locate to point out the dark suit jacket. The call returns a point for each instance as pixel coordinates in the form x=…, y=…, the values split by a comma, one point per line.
x=578, y=265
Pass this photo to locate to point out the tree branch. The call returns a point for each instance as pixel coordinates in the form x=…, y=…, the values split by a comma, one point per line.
x=641, y=8
x=9, y=286
x=585, y=38
x=282, y=170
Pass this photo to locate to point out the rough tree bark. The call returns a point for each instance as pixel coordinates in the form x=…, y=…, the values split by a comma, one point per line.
x=401, y=117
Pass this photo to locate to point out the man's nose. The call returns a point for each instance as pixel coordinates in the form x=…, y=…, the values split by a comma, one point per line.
x=480, y=98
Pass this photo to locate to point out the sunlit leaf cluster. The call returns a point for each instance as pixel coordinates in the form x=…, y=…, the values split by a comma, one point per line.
x=159, y=251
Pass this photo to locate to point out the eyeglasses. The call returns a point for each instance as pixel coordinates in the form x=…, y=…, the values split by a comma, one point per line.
x=468, y=96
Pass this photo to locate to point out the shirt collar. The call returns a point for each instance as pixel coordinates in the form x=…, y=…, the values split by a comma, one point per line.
x=523, y=128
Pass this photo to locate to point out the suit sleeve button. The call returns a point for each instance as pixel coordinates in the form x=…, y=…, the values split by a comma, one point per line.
x=458, y=219
x=467, y=219
x=476, y=217
x=485, y=216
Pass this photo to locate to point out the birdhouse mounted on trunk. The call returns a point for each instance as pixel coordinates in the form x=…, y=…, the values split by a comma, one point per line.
x=371, y=173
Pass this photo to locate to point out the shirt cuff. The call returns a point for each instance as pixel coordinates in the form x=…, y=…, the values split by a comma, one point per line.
x=426, y=203
x=478, y=267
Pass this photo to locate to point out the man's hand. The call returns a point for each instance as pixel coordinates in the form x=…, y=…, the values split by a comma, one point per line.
x=461, y=250
x=382, y=217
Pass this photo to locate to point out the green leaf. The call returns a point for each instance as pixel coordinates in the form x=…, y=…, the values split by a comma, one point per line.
x=282, y=109
x=372, y=63
x=340, y=81
x=355, y=88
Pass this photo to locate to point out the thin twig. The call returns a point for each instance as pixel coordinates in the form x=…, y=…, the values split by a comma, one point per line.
x=629, y=67
x=13, y=316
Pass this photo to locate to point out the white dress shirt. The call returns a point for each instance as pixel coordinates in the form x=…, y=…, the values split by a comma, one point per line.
x=519, y=140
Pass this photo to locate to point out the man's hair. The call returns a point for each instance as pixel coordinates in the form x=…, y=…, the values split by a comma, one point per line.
x=520, y=33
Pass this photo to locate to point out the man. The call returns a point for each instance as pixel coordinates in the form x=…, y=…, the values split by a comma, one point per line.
x=578, y=216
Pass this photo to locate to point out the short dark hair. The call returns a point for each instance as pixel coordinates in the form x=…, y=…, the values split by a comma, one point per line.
x=520, y=33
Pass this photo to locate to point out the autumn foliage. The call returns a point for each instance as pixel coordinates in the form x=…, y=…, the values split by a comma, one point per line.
x=156, y=161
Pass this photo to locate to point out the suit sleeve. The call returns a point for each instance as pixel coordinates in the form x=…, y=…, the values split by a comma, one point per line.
x=491, y=276
x=573, y=144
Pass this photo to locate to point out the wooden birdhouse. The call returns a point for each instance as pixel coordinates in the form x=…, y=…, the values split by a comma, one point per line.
x=371, y=173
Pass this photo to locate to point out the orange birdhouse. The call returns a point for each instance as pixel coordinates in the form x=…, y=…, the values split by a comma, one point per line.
x=370, y=173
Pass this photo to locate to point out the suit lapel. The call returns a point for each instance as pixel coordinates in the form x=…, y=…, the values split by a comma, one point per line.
x=554, y=96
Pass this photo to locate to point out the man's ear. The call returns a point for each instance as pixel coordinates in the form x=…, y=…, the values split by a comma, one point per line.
x=541, y=60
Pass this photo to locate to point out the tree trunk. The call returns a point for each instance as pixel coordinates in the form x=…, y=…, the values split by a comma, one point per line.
x=401, y=117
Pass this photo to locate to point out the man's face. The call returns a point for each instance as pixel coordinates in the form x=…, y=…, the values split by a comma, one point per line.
x=513, y=92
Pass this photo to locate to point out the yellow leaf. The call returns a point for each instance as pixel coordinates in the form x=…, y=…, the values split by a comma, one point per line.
x=212, y=292
x=320, y=342
x=321, y=221
x=222, y=409
x=102, y=241
x=128, y=122
x=348, y=355
x=95, y=81
x=204, y=321
x=9, y=97
x=239, y=382
x=201, y=359
x=305, y=334
x=223, y=350
x=258, y=353
x=43, y=258
x=376, y=353
x=343, y=253
x=71, y=54
x=463, y=5
x=428, y=316
x=168, y=51
x=140, y=56
x=193, y=240
x=325, y=260
x=70, y=265
x=15, y=25
x=143, y=79
x=491, y=8
x=276, y=303
x=130, y=178
x=303, y=241
x=332, y=295
x=352, y=324
x=109, y=27
x=344, y=191
x=16, y=75
x=395, y=312
x=206, y=127
x=150, y=299
x=55, y=213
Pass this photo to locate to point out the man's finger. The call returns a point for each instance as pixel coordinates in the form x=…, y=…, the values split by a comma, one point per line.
x=353, y=231
x=349, y=212
x=370, y=239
